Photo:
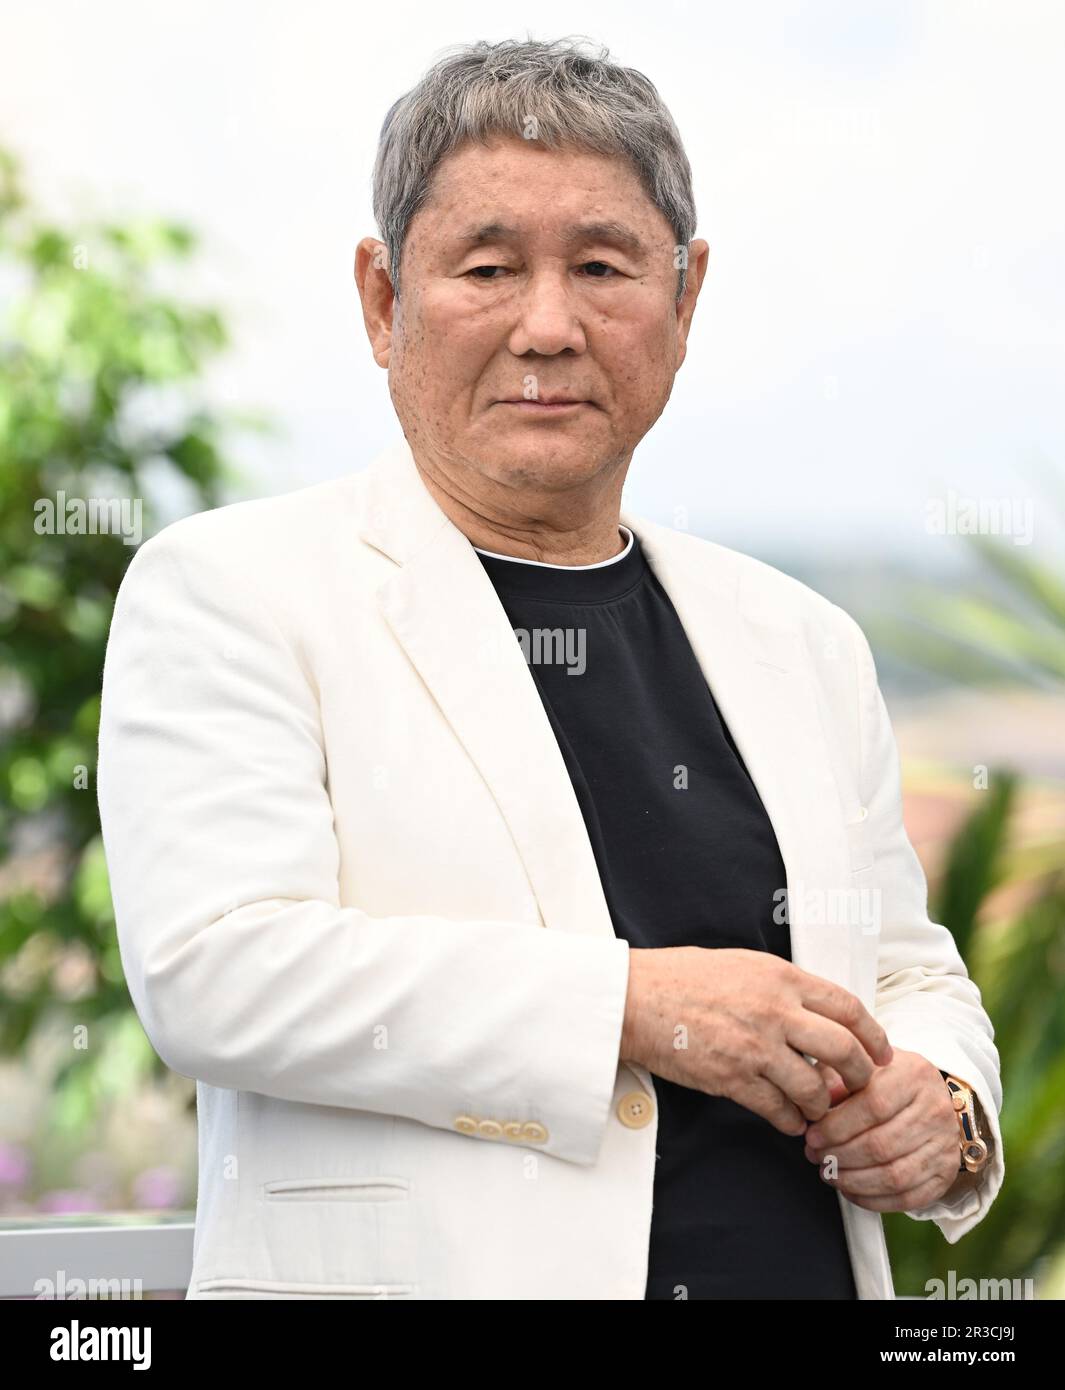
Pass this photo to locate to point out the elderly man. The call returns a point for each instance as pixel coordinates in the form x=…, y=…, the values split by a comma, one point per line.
x=523, y=882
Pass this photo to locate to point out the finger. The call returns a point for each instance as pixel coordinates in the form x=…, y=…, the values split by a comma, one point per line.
x=800, y=1082
x=833, y=1001
x=868, y=1109
x=928, y=1164
x=903, y=1201
x=763, y=1098
x=827, y=1041
x=907, y=1131
x=837, y=1087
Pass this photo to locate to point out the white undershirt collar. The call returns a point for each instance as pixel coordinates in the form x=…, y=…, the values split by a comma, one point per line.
x=543, y=564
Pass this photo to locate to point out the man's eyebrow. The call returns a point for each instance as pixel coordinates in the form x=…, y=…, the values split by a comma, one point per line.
x=578, y=232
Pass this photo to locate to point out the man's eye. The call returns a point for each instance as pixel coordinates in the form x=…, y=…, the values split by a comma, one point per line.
x=485, y=272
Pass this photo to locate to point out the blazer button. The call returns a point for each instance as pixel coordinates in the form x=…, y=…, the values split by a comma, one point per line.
x=489, y=1129
x=533, y=1133
x=466, y=1124
x=512, y=1130
x=635, y=1109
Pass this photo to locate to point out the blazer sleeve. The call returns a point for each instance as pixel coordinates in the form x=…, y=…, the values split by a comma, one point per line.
x=925, y=998
x=244, y=968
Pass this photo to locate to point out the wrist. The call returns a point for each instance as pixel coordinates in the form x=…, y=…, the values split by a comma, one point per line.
x=631, y=1049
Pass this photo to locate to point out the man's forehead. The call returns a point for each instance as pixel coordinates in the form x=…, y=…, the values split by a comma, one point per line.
x=475, y=171
x=570, y=233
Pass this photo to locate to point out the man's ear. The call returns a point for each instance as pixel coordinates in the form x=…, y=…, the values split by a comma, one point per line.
x=375, y=291
x=698, y=261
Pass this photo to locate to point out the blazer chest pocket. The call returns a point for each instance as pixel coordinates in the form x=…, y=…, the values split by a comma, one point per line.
x=859, y=847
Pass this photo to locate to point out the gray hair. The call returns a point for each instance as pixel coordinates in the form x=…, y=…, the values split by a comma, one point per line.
x=561, y=95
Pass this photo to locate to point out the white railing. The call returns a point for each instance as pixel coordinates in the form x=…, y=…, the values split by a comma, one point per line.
x=116, y=1254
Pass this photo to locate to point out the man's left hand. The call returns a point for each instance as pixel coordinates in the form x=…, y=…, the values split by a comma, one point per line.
x=895, y=1141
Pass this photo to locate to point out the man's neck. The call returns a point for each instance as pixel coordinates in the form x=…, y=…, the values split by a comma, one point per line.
x=558, y=531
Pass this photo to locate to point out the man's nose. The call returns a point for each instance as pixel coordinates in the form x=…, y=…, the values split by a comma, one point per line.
x=548, y=320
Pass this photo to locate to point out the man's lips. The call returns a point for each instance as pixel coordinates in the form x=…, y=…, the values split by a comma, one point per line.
x=546, y=405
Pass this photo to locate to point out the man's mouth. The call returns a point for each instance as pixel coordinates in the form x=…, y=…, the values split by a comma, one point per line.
x=546, y=405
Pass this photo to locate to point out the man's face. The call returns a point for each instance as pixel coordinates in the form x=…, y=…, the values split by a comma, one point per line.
x=531, y=274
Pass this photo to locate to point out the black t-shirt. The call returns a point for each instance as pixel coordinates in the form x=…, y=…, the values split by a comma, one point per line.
x=687, y=856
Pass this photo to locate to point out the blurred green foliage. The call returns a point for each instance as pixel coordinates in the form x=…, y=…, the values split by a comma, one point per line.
x=1007, y=627
x=1013, y=632
x=98, y=399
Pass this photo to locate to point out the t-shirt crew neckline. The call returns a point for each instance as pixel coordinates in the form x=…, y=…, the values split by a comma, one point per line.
x=606, y=579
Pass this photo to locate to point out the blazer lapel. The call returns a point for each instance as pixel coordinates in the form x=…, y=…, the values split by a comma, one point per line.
x=444, y=611
x=755, y=665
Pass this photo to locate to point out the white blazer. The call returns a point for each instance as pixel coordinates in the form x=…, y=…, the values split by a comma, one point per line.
x=356, y=900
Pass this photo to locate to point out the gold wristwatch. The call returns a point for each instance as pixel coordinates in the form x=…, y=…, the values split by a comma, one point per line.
x=975, y=1147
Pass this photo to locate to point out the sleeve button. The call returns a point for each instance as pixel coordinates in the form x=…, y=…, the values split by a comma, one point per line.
x=635, y=1109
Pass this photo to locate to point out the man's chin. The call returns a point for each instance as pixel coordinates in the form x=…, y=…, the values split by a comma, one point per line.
x=545, y=463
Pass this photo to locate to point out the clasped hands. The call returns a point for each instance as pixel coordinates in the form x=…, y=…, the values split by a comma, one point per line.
x=895, y=1142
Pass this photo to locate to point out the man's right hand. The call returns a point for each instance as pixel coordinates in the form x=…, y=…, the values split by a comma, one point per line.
x=735, y=1023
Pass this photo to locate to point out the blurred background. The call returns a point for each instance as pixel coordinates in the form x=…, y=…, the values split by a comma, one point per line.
x=872, y=401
